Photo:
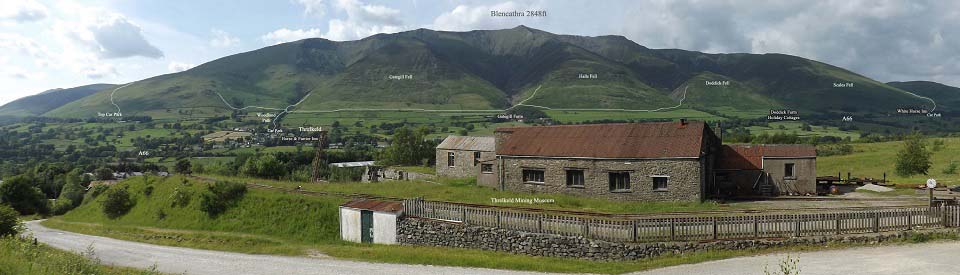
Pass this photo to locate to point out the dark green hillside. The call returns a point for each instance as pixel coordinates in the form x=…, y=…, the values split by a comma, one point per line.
x=41, y=103
x=492, y=70
x=947, y=97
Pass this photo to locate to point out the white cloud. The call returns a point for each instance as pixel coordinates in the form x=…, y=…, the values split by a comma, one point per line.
x=287, y=35
x=312, y=7
x=363, y=20
x=176, y=67
x=466, y=17
x=222, y=39
x=18, y=73
x=117, y=37
x=20, y=11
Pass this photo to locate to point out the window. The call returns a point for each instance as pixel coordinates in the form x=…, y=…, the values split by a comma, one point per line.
x=660, y=183
x=531, y=175
x=476, y=158
x=486, y=168
x=575, y=177
x=620, y=181
x=450, y=159
x=788, y=170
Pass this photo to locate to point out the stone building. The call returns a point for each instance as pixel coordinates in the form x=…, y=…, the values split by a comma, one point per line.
x=766, y=169
x=460, y=156
x=662, y=161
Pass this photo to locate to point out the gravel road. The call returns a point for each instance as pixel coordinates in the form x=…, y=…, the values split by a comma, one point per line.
x=929, y=258
x=194, y=261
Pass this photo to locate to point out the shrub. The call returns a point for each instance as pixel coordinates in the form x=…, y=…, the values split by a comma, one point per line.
x=62, y=206
x=148, y=191
x=913, y=158
x=117, y=203
x=951, y=168
x=18, y=192
x=220, y=196
x=9, y=225
x=179, y=198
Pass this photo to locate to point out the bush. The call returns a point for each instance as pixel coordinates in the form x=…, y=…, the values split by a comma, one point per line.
x=913, y=158
x=9, y=225
x=147, y=191
x=951, y=168
x=117, y=203
x=221, y=196
x=95, y=192
x=179, y=198
x=62, y=206
x=20, y=194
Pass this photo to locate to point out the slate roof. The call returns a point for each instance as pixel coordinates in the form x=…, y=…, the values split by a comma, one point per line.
x=467, y=143
x=750, y=156
x=622, y=140
x=375, y=205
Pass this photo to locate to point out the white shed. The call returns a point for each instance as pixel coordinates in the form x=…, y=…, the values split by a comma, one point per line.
x=370, y=221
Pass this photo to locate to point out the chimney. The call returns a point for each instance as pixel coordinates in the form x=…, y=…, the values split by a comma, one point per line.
x=720, y=131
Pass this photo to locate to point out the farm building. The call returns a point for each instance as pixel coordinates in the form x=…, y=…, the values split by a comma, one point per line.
x=662, y=161
x=766, y=169
x=370, y=221
x=460, y=156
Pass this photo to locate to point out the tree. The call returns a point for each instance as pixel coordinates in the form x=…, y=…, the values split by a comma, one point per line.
x=913, y=158
x=117, y=203
x=220, y=196
x=18, y=192
x=408, y=147
x=103, y=173
x=9, y=225
x=263, y=166
x=183, y=166
x=72, y=189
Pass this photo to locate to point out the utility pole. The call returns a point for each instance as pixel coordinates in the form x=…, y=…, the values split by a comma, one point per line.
x=318, y=157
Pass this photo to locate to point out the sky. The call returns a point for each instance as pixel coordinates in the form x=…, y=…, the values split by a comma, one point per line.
x=46, y=44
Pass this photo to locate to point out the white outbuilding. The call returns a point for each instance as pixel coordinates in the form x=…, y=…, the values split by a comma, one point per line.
x=370, y=221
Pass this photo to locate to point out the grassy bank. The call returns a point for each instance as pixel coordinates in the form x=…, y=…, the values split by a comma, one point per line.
x=874, y=159
x=22, y=257
x=467, y=191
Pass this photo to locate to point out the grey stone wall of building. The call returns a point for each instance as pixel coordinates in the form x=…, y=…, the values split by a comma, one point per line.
x=805, y=175
x=415, y=231
x=463, y=166
x=684, y=183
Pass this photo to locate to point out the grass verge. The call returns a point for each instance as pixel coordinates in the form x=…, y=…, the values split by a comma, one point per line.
x=22, y=257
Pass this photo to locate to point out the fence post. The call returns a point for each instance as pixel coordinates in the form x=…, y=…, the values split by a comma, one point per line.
x=756, y=226
x=463, y=214
x=673, y=229
x=714, y=220
x=635, y=230
x=586, y=227
x=838, y=222
x=499, y=213
x=539, y=223
x=876, y=221
x=796, y=229
x=943, y=214
x=910, y=220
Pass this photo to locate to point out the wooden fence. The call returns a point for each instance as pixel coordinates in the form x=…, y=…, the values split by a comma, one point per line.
x=690, y=228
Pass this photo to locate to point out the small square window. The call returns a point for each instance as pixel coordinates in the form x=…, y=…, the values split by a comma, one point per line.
x=788, y=170
x=575, y=178
x=660, y=183
x=532, y=176
x=486, y=168
x=620, y=181
x=476, y=158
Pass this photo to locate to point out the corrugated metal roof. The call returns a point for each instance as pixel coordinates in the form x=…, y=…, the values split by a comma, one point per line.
x=750, y=156
x=623, y=140
x=352, y=164
x=375, y=205
x=468, y=143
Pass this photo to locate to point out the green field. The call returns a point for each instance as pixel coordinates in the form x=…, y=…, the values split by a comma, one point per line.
x=875, y=159
x=790, y=127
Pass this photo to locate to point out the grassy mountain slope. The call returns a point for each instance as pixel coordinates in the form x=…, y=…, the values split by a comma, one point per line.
x=41, y=103
x=494, y=69
x=947, y=97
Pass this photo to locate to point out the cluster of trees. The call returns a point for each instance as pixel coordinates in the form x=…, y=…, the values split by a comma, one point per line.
x=409, y=147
